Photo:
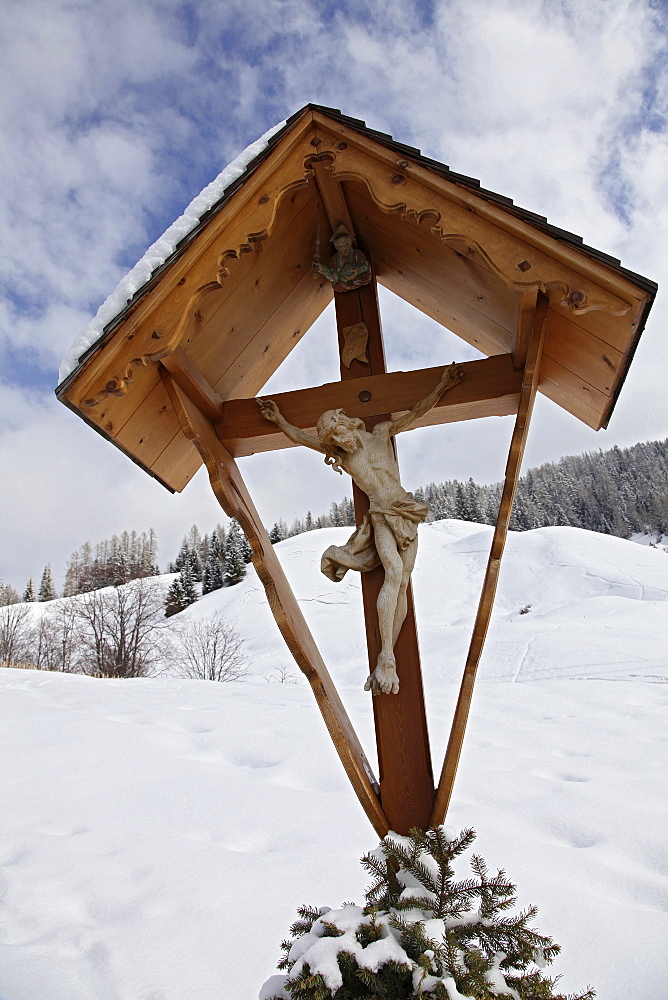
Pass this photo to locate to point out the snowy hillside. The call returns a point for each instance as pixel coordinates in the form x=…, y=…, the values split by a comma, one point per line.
x=157, y=835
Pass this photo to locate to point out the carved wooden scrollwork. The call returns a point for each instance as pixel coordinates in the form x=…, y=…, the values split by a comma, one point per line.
x=223, y=262
x=522, y=266
x=119, y=384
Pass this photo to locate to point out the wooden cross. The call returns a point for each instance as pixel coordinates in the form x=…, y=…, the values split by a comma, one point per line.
x=405, y=795
x=183, y=360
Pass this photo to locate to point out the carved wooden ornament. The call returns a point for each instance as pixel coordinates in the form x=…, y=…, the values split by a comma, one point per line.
x=355, y=339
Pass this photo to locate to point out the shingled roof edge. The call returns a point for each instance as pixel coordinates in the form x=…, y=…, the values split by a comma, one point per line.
x=539, y=221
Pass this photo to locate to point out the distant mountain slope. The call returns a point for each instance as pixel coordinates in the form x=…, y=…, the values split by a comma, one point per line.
x=597, y=605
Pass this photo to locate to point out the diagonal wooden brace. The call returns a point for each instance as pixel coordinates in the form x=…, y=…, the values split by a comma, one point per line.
x=231, y=493
x=517, y=444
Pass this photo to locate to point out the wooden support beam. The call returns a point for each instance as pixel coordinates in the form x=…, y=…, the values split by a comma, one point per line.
x=233, y=497
x=517, y=444
x=193, y=383
x=332, y=195
x=525, y=310
x=404, y=760
x=491, y=387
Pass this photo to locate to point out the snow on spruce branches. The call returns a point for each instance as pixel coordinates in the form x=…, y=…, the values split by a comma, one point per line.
x=422, y=933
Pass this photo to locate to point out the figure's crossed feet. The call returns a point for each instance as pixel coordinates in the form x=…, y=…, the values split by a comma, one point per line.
x=384, y=679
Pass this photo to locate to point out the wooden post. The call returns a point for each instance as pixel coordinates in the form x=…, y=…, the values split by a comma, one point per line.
x=404, y=760
x=517, y=443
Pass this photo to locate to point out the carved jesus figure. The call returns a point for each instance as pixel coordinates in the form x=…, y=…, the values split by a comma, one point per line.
x=387, y=535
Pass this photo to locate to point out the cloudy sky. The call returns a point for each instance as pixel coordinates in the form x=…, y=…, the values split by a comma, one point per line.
x=115, y=113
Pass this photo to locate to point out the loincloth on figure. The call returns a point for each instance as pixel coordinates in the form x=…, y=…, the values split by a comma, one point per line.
x=359, y=553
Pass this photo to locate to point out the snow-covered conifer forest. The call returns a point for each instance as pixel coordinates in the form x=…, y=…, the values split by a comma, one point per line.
x=622, y=491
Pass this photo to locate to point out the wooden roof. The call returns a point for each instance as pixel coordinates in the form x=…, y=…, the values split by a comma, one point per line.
x=225, y=310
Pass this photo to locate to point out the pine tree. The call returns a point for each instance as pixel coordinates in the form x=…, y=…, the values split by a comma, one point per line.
x=119, y=563
x=177, y=565
x=336, y=515
x=174, y=598
x=194, y=544
x=349, y=512
x=296, y=528
x=149, y=554
x=194, y=564
x=213, y=576
x=181, y=594
x=190, y=594
x=47, y=589
x=276, y=534
x=29, y=593
x=478, y=950
x=246, y=549
x=235, y=564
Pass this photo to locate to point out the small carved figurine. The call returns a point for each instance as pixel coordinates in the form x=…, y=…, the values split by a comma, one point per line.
x=388, y=534
x=348, y=268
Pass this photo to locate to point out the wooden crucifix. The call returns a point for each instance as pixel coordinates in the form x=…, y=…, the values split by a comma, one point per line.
x=173, y=380
x=405, y=795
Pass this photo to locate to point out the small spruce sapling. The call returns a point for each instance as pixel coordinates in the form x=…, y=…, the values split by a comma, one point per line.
x=47, y=589
x=422, y=934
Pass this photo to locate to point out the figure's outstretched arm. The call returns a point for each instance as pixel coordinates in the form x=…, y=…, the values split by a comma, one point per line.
x=451, y=376
x=270, y=411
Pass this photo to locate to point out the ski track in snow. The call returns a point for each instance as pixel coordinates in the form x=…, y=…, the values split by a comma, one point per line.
x=157, y=835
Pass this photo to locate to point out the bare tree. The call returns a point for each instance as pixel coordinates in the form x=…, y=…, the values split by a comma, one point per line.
x=14, y=635
x=8, y=594
x=211, y=650
x=121, y=631
x=53, y=640
x=280, y=675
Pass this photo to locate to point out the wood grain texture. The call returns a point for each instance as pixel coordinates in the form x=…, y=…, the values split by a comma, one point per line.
x=231, y=492
x=573, y=393
x=402, y=739
x=239, y=228
x=150, y=429
x=186, y=291
x=580, y=352
x=178, y=463
x=254, y=289
x=113, y=412
x=333, y=198
x=525, y=309
x=193, y=383
x=517, y=445
x=446, y=285
x=489, y=387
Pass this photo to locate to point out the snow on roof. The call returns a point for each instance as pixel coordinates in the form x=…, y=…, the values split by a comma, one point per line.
x=159, y=251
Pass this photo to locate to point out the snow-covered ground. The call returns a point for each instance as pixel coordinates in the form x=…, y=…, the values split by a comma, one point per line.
x=156, y=836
